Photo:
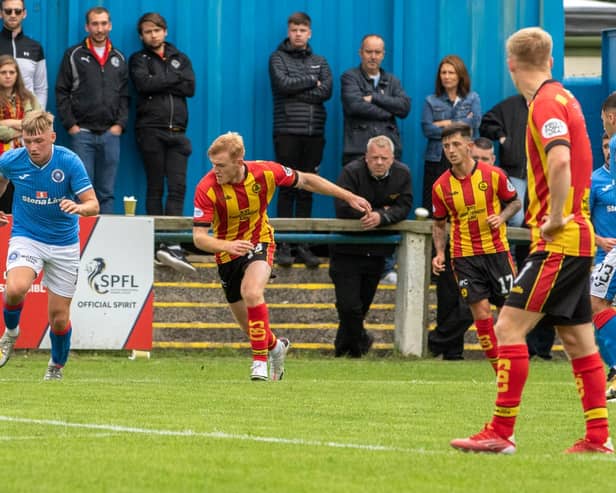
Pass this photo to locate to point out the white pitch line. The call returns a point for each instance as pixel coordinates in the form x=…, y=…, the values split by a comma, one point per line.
x=214, y=434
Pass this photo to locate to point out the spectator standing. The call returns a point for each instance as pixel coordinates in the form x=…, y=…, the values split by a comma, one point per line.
x=15, y=103
x=28, y=52
x=243, y=243
x=52, y=188
x=470, y=195
x=452, y=101
x=92, y=100
x=164, y=78
x=301, y=83
x=506, y=123
x=483, y=150
x=603, y=215
x=356, y=269
x=554, y=280
x=372, y=99
x=30, y=59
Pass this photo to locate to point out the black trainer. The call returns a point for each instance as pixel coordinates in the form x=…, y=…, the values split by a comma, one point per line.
x=174, y=258
x=283, y=255
x=307, y=257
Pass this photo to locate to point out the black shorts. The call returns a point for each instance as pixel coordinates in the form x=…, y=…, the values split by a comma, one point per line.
x=483, y=277
x=232, y=273
x=554, y=284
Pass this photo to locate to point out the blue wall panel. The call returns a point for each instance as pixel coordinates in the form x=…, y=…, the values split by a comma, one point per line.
x=229, y=42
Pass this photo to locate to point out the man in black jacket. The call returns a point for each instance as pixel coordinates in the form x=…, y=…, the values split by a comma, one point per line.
x=371, y=100
x=356, y=269
x=92, y=102
x=301, y=83
x=164, y=78
x=506, y=123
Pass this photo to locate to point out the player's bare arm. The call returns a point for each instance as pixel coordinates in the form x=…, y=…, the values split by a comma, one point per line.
x=606, y=244
x=87, y=205
x=495, y=220
x=439, y=237
x=206, y=242
x=559, y=183
x=315, y=183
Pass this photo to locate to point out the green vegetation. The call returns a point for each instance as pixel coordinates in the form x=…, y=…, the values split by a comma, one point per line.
x=184, y=422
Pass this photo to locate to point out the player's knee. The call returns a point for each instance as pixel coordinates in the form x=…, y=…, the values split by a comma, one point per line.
x=252, y=295
x=58, y=322
x=15, y=293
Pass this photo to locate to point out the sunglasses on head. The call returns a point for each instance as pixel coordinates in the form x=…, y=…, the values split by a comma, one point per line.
x=12, y=11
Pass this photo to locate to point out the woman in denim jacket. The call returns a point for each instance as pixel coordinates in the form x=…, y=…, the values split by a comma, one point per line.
x=452, y=101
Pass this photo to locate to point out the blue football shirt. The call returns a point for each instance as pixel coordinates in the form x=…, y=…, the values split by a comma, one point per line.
x=603, y=206
x=39, y=191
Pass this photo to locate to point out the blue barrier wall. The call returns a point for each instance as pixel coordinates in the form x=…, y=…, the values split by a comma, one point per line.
x=229, y=42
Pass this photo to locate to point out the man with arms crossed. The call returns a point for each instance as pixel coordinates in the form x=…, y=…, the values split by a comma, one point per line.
x=51, y=189
x=553, y=283
x=232, y=200
x=470, y=194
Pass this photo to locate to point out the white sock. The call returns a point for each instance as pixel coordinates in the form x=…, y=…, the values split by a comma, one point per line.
x=13, y=332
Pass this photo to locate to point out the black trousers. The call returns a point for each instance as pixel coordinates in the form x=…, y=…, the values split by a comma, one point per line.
x=355, y=279
x=165, y=158
x=302, y=153
x=453, y=316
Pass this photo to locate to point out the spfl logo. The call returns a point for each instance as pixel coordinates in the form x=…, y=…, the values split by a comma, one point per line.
x=94, y=269
x=103, y=283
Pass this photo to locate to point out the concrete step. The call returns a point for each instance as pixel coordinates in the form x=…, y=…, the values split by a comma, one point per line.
x=191, y=310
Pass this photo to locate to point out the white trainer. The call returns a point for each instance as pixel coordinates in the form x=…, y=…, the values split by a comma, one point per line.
x=259, y=370
x=277, y=357
x=54, y=372
x=7, y=343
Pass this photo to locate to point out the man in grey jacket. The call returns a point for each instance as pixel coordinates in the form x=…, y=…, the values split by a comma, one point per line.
x=301, y=83
x=371, y=100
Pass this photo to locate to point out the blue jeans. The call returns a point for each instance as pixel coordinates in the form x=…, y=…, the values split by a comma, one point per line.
x=100, y=154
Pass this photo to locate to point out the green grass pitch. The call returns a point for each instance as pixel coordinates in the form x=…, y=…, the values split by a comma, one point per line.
x=184, y=422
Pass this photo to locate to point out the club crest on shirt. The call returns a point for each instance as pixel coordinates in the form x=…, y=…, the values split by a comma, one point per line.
x=57, y=175
x=553, y=128
x=483, y=186
x=115, y=61
x=175, y=64
x=256, y=188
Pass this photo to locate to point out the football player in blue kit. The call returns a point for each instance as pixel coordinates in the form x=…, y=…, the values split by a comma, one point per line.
x=51, y=189
x=603, y=216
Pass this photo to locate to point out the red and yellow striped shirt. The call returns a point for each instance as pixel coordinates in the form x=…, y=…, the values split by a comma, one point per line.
x=238, y=211
x=555, y=118
x=468, y=202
